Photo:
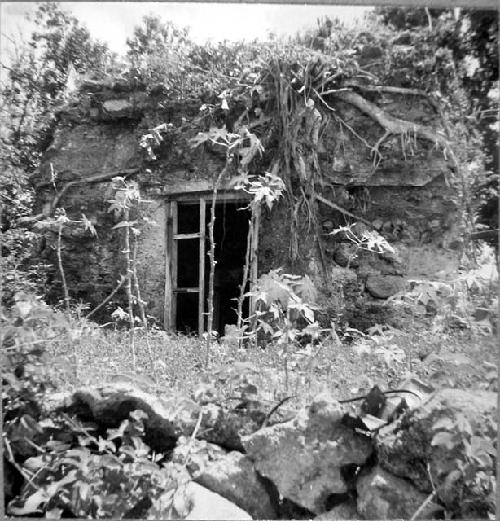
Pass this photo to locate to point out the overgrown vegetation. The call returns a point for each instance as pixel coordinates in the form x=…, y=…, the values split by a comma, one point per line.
x=255, y=97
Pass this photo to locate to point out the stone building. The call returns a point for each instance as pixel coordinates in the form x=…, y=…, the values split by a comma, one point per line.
x=406, y=199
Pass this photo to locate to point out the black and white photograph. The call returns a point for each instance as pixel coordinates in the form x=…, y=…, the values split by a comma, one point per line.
x=249, y=260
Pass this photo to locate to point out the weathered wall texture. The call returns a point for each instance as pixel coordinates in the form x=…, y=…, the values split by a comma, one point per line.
x=406, y=198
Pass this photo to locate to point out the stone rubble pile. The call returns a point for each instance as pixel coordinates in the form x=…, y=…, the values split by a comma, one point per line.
x=320, y=464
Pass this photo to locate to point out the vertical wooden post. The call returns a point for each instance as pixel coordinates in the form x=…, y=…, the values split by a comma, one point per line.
x=174, y=250
x=201, y=290
x=167, y=306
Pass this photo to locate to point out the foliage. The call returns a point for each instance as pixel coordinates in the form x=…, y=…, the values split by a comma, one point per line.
x=467, y=481
x=278, y=94
x=36, y=84
x=265, y=190
x=467, y=302
x=116, y=476
x=158, y=53
x=363, y=239
x=26, y=331
x=284, y=312
x=464, y=66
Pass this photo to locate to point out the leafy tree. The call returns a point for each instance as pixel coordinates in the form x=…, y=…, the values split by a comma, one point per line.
x=158, y=52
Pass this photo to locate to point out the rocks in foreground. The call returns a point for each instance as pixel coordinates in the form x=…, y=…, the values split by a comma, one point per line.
x=450, y=439
x=305, y=457
x=382, y=495
x=232, y=475
x=318, y=463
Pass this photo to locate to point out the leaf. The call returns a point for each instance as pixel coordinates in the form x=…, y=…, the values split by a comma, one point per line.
x=35, y=463
x=31, y=505
x=464, y=425
x=118, y=433
x=307, y=290
x=443, y=423
x=41, y=496
x=451, y=479
x=309, y=314
x=264, y=326
x=445, y=439
x=124, y=224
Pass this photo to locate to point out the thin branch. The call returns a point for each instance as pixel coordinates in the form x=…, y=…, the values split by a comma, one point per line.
x=12, y=460
x=97, y=178
x=342, y=210
x=423, y=506
x=377, y=156
x=109, y=297
x=274, y=409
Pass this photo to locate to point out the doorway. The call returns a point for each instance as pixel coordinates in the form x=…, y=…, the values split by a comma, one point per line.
x=188, y=262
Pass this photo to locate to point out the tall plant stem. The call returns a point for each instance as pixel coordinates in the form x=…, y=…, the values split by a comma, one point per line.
x=61, y=268
x=213, y=262
x=128, y=286
x=246, y=272
x=285, y=347
x=142, y=310
x=140, y=302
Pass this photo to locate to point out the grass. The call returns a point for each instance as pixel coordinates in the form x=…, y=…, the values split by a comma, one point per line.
x=174, y=365
x=171, y=364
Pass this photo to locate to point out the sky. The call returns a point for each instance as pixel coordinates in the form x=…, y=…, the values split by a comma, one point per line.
x=113, y=22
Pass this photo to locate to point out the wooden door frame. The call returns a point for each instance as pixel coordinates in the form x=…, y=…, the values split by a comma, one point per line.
x=171, y=238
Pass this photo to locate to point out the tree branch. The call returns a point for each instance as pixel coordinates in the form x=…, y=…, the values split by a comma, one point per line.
x=390, y=124
x=87, y=180
x=109, y=297
x=396, y=90
x=334, y=206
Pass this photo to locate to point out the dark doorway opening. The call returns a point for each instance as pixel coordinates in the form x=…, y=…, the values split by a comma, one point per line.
x=230, y=237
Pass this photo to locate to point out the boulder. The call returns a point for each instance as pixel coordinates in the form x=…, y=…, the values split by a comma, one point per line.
x=305, y=457
x=221, y=426
x=382, y=495
x=111, y=405
x=167, y=418
x=204, y=504
x=227, y=428
x=438, y=437
x=132, y=106
x=384, y=286
x=233, y=476
x=117, y=107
